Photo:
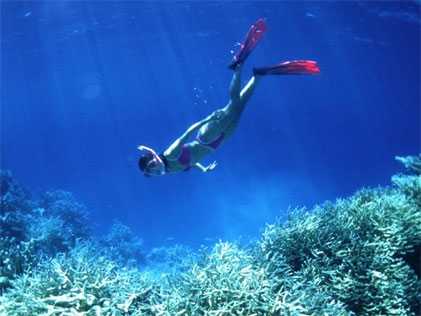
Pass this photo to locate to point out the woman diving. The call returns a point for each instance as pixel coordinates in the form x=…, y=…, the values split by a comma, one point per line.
x=213, y=130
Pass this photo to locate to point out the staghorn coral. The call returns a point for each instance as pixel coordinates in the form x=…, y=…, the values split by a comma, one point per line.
x=63, y=205
x=13, y=225
x=12, y=196
x=14, y=205
x=81, y=282
x=233, y=281
x=169, y=261
x=360, y=249
x=29, y=232
x=16, y=252
x=57, y=223
x=15, y=258
x=49, y=235
x=357, y=256
x=123, y=246
x=412, y=163
x=226, y=282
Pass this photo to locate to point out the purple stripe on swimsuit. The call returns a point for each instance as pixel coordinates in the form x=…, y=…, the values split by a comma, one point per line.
x=213, y=144
x=185, y=157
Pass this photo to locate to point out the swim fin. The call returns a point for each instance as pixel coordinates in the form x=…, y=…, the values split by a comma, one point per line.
x=293, y=67
x=254, y=35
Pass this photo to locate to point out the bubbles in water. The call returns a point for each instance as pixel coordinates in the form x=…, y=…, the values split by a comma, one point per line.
x=199, y=96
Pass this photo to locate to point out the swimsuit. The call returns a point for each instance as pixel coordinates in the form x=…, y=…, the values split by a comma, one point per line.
x=185, y=157
x=213, y=144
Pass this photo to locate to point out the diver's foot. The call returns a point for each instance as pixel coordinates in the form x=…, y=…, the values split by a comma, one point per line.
x=294, y=67
x=254, y=35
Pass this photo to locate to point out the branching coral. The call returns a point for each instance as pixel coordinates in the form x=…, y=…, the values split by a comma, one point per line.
x=63, y=205
x=123, y=246
x=12, y=196
x=169, y=261
x=16, y=253
x=413, y=163
x=80, y=283
x=15, y=258
x=14, y=204
x=357, y=256
x=28, y=232
x=359, y=248
x=225, y=283
x=49, y=235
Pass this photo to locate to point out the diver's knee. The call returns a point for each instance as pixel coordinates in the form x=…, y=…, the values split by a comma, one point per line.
x=217, y=115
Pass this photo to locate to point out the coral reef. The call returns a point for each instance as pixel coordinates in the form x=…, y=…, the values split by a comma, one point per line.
x=81, y=282
x=170, y=261
x=63, y=205
x=31, y=229
x=412, y=163
x=357, y=256
x=16, y=254
x=12, y=196
x=15, y=204
x=15, y=258
x=123, y=246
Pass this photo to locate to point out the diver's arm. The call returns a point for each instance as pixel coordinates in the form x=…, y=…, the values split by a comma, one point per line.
x=174, y=151
x=205, y=169
x=144, y=148
x=200, y=167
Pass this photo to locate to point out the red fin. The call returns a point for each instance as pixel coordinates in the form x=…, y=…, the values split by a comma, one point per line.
x=254, y=35
x=293, y=67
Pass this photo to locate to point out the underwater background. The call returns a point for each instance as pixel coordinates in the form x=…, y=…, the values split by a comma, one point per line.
x=83, y=83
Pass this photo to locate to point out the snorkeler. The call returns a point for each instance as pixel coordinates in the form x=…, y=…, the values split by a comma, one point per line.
x=216, y=128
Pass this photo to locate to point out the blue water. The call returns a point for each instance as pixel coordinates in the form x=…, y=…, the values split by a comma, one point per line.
x=84, y=83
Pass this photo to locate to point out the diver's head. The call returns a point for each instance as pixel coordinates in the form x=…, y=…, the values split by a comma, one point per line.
x=150, y=166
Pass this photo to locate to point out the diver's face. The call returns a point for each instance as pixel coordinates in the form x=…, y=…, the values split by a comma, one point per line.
x=155, y=168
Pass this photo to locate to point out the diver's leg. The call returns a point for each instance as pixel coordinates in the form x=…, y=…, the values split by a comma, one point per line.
x=237, y=108
x=226, y=119
x=235, y=85
x=221, y=118
x=248, y=90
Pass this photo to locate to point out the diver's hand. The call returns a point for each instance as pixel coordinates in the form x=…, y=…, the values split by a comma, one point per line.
x=142, y=147
x=211, y=166
x=150, y=150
